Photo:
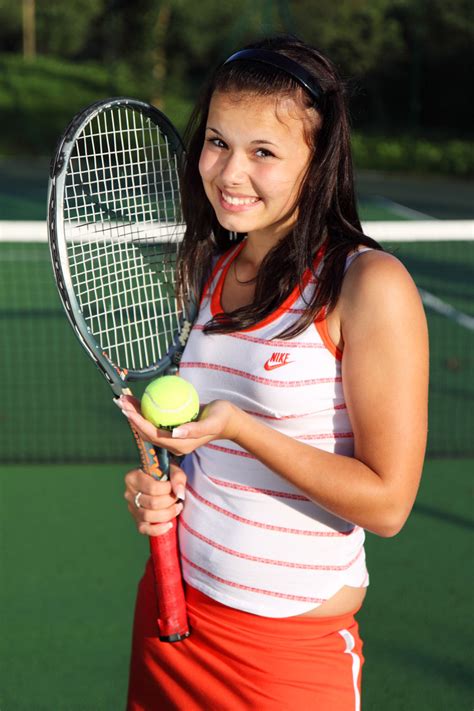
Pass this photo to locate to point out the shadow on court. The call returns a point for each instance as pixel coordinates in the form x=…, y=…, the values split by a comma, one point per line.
x=455, y=520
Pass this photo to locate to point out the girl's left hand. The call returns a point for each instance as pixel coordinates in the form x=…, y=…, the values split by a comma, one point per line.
x=217, y=420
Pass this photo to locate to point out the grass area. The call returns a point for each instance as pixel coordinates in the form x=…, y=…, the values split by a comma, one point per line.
x=38, y=99
x=70, y=560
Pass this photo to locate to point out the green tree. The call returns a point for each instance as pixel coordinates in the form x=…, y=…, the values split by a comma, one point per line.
x=64, y=28
x=356, y=34
x=410, y=60
x=439, y=45
x=10, y=26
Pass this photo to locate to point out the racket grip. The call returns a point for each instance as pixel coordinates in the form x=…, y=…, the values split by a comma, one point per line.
x=172, y=617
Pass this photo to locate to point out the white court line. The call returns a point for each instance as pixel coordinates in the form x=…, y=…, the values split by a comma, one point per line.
x=444, y=309
x=402, y=210
x=36, y=231
x=383, y=231
x=23, y=231
x=420, y=230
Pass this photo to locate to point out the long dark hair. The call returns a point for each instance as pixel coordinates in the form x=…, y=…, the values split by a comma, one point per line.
x=327, y=212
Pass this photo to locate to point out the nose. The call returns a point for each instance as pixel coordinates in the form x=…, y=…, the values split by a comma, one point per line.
x=234, y=168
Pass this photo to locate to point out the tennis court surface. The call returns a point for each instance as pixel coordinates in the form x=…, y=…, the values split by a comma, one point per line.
x=70, y=557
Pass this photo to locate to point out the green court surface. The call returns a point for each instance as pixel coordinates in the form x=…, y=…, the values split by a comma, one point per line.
x=23, y=188
x=71, y=559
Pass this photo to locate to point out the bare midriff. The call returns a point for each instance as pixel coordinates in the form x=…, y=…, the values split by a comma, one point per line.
x=346, y=600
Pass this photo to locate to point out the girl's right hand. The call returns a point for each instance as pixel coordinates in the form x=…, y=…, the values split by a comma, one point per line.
x=159, y=501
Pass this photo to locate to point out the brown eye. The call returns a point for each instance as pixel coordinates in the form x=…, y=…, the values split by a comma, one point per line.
x=217, y=142
x=264, y=153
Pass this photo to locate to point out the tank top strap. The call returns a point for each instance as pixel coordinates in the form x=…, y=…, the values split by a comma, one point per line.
x=353, y=255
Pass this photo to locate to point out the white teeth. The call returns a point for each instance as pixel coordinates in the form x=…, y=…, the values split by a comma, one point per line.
x=239, y=201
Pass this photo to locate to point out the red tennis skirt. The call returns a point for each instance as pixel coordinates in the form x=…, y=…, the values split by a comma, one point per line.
x=236, y=661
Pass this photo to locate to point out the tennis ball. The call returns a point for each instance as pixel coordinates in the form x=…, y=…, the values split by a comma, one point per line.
x=170, y=401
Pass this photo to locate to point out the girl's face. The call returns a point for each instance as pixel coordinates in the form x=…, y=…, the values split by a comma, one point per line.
x=253, y=161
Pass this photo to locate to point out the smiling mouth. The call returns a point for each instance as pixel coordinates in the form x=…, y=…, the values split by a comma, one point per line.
x=238, y=201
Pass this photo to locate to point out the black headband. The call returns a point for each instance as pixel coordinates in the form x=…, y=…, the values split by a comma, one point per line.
x=275, y=59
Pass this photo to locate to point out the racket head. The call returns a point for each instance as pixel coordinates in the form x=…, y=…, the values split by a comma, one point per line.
x=115, y=227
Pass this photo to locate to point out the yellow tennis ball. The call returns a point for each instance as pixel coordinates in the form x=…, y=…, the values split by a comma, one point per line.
x=170, y=401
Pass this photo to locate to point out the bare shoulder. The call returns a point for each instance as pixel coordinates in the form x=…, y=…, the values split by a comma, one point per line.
x=376, y=266
x=378, y=282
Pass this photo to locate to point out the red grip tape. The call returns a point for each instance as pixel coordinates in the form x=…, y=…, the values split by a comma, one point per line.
x=172, y=618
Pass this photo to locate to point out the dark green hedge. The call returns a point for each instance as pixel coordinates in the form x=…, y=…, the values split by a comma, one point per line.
x=409, y=154
x=38, y=99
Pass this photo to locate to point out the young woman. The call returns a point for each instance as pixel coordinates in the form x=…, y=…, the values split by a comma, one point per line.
x=310, y=355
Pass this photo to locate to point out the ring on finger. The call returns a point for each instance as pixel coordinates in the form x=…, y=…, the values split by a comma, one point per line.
x=137, y=500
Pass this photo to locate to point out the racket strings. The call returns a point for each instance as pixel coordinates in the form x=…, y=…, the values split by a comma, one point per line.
x=123, y=226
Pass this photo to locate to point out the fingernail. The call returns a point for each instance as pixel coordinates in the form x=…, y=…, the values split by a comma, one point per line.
x=179, y=432
x=179, y=508
x=180, y=492
x=117, y=402
x=167, y=527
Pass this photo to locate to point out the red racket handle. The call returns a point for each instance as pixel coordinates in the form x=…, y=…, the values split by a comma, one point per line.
x=172, y=617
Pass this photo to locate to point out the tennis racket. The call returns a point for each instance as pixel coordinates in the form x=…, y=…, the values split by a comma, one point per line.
x=115, y=226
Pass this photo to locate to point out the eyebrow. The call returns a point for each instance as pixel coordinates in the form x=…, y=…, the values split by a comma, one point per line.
x=257, y=140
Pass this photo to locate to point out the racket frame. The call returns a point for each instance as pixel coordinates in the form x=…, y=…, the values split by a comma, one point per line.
x=172, y=621
x=116, y=376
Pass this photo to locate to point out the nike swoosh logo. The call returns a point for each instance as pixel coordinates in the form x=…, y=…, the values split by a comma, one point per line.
x=271, y=366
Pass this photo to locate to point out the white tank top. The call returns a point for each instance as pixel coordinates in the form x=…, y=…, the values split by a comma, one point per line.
x=249, y=538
